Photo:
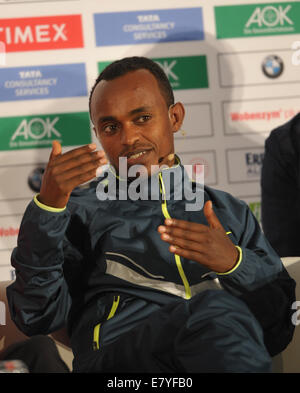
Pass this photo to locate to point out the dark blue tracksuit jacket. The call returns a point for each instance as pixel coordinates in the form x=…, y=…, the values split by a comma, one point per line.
x=83, y=264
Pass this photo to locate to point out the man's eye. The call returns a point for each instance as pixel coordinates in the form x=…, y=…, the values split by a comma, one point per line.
x=110, y=128
x=143, y=119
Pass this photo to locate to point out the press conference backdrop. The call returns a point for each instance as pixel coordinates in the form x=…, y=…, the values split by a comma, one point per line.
x=235, y=65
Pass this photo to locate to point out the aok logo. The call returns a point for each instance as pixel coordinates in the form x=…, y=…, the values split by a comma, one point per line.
x=270, y=16
x=41, y=33
x=36, y=129
x=168, y=69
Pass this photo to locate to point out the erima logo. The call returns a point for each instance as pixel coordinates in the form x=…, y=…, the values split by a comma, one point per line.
x=168, y=68
x=254, y=163
x=270, y=16
x=36, y=129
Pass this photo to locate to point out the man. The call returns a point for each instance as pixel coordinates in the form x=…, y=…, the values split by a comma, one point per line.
x=146, y=285
x=280, y=186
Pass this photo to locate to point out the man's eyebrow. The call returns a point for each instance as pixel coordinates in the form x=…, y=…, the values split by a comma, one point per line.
x=140, y=110
x=103, y=119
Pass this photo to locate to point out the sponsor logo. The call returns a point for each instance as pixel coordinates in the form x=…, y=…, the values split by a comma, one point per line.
x=127, y=28
x=244, y=164
x=188, y=72
x=272, y=66
x=35, y=179
x=41, y=33
x=263, y=115
x=7, y=232
x=257, y=20
x=42, y=82
x=258, y=115
x=270, y=16
x=253, y=163
x=39, y=131
x=199, y=166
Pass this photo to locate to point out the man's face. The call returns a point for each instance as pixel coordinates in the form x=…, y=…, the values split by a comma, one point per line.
x=131, y=120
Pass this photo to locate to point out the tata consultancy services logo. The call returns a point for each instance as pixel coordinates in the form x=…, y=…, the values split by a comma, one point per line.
x=188, y=72
x=257, y=19
x=41, y=33
x=30, y=132
x=272, y=66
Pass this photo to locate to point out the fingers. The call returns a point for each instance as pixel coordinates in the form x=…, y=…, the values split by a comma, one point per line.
x=188, y=254
x=66, y=171
x=56, y=150
x=186, y=244
x=75, y=169
x=75, y=158
x=75, y=181
x=210, y=216
x=186, y=231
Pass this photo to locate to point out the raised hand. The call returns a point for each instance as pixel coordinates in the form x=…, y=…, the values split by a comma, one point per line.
x=66, y=171
x=208, y=245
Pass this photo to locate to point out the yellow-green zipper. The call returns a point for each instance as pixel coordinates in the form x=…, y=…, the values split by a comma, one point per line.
x=110, y=315
x=177, y=257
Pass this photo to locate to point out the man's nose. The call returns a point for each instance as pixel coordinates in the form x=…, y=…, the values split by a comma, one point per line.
x=129, y=135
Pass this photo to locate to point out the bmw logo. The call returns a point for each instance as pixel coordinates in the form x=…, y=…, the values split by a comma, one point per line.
x=272, y=66
x=35, y=179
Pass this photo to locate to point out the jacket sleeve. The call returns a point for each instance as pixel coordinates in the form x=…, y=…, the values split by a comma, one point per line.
x=280, y=193
x=263, y=283
x=39, y=299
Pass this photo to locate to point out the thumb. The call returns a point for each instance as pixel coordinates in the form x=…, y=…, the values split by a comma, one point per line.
x=56, y=150
x=210, y=216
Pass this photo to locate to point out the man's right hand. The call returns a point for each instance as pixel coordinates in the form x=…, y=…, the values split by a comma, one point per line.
x=66, y=171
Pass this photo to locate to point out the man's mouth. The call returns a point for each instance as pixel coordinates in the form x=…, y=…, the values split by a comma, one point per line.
x=136, y=155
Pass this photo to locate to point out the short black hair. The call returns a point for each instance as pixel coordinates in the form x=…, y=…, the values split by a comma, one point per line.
x=128, y=64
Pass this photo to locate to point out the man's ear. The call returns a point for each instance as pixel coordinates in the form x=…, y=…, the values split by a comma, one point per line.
x=176, y=113
x=95, y=131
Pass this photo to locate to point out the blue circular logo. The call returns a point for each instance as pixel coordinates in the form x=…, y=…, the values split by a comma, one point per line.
x=272, y=66
x=35, y=179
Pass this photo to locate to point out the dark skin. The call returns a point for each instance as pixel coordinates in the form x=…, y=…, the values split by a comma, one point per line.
x=131, y=119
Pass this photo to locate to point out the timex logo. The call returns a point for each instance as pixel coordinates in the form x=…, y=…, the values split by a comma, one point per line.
x=41, y=33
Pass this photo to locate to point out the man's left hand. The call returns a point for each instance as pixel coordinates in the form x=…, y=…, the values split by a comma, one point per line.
x=208, y=245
